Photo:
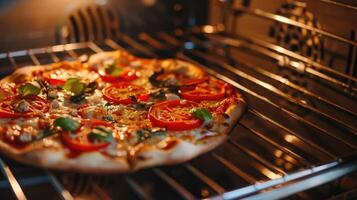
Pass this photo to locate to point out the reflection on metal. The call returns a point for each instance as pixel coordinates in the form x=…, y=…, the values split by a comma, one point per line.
x=12, y=180
x=290, y=138
x=90, y=23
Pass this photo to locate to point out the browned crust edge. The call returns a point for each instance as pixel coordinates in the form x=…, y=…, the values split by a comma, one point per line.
x=100, y=164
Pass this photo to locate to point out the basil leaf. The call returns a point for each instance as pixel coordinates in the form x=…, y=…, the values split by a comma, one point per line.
x=29, y=89
x=113, y=70
x=46, y=132
x=101, y=134
x=144, y=134
x=74, y=85
x=77, y=98
x=66, y=123
x=90, y=88
x=202, y=113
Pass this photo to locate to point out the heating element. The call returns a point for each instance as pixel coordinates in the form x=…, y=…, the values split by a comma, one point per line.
x=297, y=139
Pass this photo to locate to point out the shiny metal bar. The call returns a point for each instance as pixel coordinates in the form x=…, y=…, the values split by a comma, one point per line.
x=53, y=56
x=113, y=44
x=215, y=186
x=258, y=158
x=292, y=85
x=137, y=189
x=12, y=61
x=302, y=180
x=15, y=186
x=136, y=45
x=294, y=155
x=174, y=184
x=309, y=142
x=66, y=195
x=339, y=4
x=315, y=180
x=252, y=42
x=282, y=19
x=235, y=169
x=33, y=58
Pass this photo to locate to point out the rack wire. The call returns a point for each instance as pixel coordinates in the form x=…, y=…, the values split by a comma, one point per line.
x=270, y=173
x=283, y=146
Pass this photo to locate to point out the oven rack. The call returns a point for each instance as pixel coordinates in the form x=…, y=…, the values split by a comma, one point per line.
x=306, y=154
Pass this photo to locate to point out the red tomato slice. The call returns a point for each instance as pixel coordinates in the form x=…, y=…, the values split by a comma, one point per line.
x=174, y=115
x=48, y=77
x=127, y=74
x=37, y=106
x=53, y=81
x=195, y=81
x=212, y=90
x=120, y=93
x=82, y=143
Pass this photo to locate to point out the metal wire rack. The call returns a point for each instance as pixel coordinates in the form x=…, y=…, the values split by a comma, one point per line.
x=283, y=146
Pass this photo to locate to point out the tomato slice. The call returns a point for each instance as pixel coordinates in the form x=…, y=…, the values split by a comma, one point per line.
x=212, y=90
x=195, y=81
x=53, y=77
x=37, y=106
x=82, y=143
x=120, y=93
x=174, y=115
x=127, y=74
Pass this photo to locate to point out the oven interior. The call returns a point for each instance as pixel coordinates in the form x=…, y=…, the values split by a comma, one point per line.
x=294, y=62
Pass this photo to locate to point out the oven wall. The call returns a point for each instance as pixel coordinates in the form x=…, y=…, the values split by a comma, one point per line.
x=29, y=24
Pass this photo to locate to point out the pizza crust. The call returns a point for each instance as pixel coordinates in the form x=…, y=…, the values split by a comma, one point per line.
x=58, y=159
x=149, y=156
x=142, y=156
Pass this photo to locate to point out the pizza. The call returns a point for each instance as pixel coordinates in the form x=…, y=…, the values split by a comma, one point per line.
x=114, y=113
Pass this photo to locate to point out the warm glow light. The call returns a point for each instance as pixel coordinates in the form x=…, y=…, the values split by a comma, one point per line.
x=101, y=2
x=208, y=29
x=269, y=173
x=290, y=138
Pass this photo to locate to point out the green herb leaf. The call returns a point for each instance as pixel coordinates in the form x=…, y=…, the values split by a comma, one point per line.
x=113, y=70
x=66, y=123
x=202, y=113
x=46, y=132
x=144, y=134
x=29, y=89
x=74, y=85
x=101, y=134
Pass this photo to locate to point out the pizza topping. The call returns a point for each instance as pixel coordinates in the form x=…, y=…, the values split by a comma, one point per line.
x=101, y=134
x=46, y=132
x=171, y=96
x=213, y=90
x=22, y=106
x=174, y=115
x=125, y=93
x=17, y=106
x=78, y=89
x=52, y=94
x=202, y=113
x=90, y=135
x=67, y=124
x=145, y=134
x=75, y=86
x=29, y=89
x=55, y=104
x=113, y=70
x=167, y=143
x=114, y=73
